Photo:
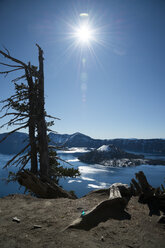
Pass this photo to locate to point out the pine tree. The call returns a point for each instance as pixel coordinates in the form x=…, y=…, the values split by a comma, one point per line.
x=27, y=110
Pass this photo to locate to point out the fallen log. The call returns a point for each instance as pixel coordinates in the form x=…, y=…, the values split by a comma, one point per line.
x=42, y=188
x=111, y=208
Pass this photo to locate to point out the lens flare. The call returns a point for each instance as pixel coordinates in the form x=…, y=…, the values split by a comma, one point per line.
x=84, y=14
x=84, y=34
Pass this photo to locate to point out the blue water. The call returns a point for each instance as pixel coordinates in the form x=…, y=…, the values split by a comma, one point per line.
x=92, y=176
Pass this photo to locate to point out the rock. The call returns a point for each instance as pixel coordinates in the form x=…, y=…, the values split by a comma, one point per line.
x=102, y=238
x=16, y=219
x=37, y=226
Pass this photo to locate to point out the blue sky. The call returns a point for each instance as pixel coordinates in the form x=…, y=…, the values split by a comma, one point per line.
x=113, y=89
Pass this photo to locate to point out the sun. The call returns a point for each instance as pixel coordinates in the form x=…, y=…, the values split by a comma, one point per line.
x=84, y=34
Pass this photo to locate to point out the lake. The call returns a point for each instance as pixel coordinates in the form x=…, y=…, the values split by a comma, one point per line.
x=92, y=176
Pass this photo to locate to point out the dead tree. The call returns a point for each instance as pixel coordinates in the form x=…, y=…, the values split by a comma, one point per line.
x=32, y=109
x=21, y=103
x=32, y=121
x=41, y=124
x=153, y=197
x=26, y=108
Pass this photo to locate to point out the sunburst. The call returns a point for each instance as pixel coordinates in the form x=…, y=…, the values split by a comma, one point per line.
x=84, y=34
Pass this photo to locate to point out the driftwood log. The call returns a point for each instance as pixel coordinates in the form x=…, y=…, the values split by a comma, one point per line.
x=153, y=197
x=111, y=208
x=119, y=196
x=42, y=188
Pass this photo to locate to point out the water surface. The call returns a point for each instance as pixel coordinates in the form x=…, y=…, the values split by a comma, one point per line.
x=92, y=176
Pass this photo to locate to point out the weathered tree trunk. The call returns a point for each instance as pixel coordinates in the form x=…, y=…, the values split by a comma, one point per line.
x=41, y=124
x=135, y=187
x=42, y=189
x=114, y=193
x=154, y=198
x=32, y=122
x=111, y=208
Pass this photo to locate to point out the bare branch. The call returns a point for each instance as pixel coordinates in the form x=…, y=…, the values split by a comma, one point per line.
x=52, y=117
x=20, y=96
x=5, y=106
x=21, y=159
x=9, y=162
x=18, y=160
x=6, y=50
x=6, y=72
x=5, y=124
x=13, y=59
x=50, y=130
x=63, y=160
x=13, y=132
x=18, y=78
x=20, y=123
x=18, y=62
x=16, y=122
x=56, y=147
x=25, y=163
x=13, y=121
x=12, y=65
x=8, y=122
x=17, y=114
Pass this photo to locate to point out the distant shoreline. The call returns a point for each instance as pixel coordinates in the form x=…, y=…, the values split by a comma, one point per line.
x=110, y=155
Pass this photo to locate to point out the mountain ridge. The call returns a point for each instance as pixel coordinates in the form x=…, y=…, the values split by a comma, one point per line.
x=16, y=141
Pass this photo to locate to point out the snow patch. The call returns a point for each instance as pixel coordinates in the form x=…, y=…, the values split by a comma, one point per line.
x=104, y=148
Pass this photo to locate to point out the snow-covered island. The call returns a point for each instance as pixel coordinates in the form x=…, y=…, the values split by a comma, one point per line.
x=110, y=155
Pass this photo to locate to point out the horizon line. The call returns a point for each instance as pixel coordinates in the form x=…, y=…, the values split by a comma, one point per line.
x=131, y=138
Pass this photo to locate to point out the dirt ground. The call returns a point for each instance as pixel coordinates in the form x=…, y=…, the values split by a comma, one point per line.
x=53, y=216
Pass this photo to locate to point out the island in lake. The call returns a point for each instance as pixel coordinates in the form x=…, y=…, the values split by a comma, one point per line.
x=110, y=155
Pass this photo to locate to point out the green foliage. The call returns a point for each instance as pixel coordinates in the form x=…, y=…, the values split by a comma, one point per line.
x=12, y=177
x=56, y=171
x=19, y=101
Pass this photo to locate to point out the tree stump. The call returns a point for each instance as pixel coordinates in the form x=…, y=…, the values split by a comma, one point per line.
x=154, y=198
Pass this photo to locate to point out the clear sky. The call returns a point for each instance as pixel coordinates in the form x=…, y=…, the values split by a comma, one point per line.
x=113, y=85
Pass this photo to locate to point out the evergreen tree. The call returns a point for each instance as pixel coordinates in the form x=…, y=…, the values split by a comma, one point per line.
x=26, y=109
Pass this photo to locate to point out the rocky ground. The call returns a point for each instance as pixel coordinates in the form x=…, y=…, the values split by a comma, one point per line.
x=126, y=162
x=52, y=217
